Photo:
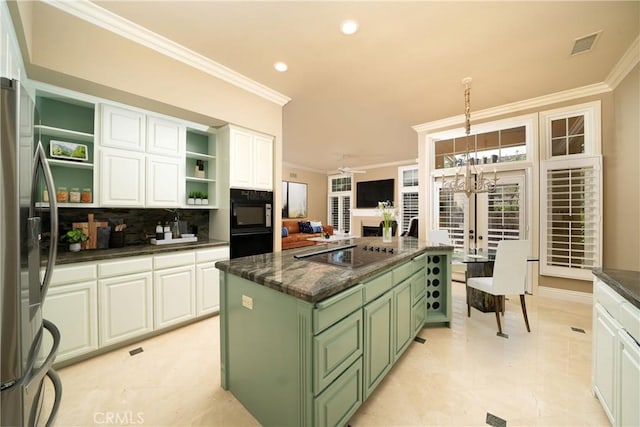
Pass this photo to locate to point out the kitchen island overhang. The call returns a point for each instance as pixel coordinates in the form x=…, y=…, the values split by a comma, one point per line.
x=305, y=343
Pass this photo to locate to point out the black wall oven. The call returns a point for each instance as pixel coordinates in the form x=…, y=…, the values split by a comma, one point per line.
x=251, y=222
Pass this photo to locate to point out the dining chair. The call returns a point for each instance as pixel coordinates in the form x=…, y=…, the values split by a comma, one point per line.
x=394, y=227
x=412, y=230
x=439, y=236
x=509, y=277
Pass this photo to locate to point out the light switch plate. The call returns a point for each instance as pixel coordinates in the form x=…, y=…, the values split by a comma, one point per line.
x=247, y=302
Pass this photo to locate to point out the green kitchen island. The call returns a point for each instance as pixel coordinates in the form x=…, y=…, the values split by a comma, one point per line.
x=305, y=340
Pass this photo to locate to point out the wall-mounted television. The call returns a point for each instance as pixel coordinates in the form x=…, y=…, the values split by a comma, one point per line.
x=369, y=193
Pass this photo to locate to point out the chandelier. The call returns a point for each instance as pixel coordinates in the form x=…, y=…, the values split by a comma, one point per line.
x=472, y=181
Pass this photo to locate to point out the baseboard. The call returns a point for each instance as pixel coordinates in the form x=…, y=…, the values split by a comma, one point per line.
x=565, y=294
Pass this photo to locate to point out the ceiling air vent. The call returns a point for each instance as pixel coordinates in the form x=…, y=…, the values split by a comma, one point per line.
x=584, y=44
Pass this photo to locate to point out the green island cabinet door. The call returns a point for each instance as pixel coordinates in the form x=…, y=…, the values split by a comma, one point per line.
x=378, y=339
x=403, y=318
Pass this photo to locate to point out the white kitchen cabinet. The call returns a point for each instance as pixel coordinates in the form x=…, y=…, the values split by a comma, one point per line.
x=126, y=307
x=122, y=178
x=74, y=310
x=165, y=183
x=174, y=285
x=604, y=355
x=72, y=305
x=165, y=137
x=126, y=298
x=208, y=280
x=616, y=355
x=251, y=159
x=123, y=128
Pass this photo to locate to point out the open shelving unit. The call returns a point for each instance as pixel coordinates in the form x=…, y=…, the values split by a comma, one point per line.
x=201, y=146
x=60, y=118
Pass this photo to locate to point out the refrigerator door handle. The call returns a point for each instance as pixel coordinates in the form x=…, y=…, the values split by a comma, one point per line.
x=57, y=387
x=40, y=162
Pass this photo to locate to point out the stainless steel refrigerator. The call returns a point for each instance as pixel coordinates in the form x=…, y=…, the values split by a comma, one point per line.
x=24, y=361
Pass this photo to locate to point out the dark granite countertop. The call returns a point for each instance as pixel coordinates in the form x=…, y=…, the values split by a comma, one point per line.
x=625, y=282
x=312, y=281
x=132, y=250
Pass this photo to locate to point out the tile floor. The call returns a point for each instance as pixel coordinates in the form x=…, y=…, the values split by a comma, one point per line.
x=454, y=379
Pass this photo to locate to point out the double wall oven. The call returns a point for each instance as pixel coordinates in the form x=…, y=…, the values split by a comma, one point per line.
x=251, y=222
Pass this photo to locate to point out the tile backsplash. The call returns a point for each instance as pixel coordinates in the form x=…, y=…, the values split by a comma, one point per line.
x=141, y=223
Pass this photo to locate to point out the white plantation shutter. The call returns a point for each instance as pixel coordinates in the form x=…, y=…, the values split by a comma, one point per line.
x=450, y=211
x=505, y=214
x=408, y=191
x=339, y=202
x=571, y=217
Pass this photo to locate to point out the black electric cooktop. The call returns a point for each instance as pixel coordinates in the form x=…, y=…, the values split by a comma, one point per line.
x=349, y=256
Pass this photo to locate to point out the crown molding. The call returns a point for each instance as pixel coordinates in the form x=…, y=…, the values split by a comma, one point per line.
x=98, y=16
x=624, y=65
x=514, y=107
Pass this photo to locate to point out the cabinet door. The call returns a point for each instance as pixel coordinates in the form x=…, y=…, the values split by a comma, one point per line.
x=165, y=137
x=164, y=187
x=74, y=310
x=378, y=341
x=403, y=318
x=122, y=176
x=341, y=399
x=628, y=413
x=263, y=163
x=122, y=128
x=419, y=314
x=604, y=351
x=125, y=307
x=207, y=288
x=174, y=295
x=241, y=156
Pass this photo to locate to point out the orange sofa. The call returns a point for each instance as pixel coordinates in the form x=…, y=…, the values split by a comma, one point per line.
x=298, y=239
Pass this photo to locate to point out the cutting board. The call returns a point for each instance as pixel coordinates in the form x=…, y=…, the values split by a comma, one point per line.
x=90, y=228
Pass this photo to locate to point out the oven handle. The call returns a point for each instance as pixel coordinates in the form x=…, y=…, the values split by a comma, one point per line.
x=250, y=232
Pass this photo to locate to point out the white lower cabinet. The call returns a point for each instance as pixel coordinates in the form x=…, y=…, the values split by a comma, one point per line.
x=616, y=356
x=73, y=308
x=208, y=280
x=126, y=307
x=174, y=288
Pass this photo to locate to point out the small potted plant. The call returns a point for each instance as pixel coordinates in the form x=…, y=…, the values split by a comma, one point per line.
x=75, y=238
x=191, y=200
x=198, y=196
x=205, y=198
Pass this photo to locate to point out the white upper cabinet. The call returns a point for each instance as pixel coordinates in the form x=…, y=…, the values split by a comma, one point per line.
x=123, y=128
x=122, y=178
x=142, y=159
x=251, y=159
x=165, y=137
x=164, y=183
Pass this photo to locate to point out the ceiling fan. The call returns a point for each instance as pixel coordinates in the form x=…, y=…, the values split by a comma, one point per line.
x=347, y=169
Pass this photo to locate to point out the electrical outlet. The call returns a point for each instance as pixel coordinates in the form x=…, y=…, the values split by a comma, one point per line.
x=247, y=302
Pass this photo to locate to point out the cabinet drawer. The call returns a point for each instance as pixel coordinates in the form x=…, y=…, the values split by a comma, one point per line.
x=335, y=349
x=331, y=310
x=630, y=320
x=216, y=254
x=419, y=262
x=73, y=273
x=608, y=298
x=418, y=287
x=378, y=286
x=174, y=259
x=123, y=267
x=403, y=271
x=341, y=399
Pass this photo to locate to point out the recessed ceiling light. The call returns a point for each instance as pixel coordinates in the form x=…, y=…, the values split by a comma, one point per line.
x=280, y=66
x=349, y=27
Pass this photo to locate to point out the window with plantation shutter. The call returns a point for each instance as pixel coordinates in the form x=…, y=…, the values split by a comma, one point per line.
x=339, y=202
x=570, y=220
x=451, y=211
x=505, y=212
x=408, y=195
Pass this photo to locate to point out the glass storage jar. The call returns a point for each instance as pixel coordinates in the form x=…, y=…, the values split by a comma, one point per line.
x=85, y=196
x=62, y=195
x=74, y=195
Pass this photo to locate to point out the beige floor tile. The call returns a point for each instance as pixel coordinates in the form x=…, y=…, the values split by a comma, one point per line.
x=540, y=378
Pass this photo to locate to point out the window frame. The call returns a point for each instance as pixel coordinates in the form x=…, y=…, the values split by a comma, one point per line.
x=591, y=111
x=402, y=189
x=340, y=227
